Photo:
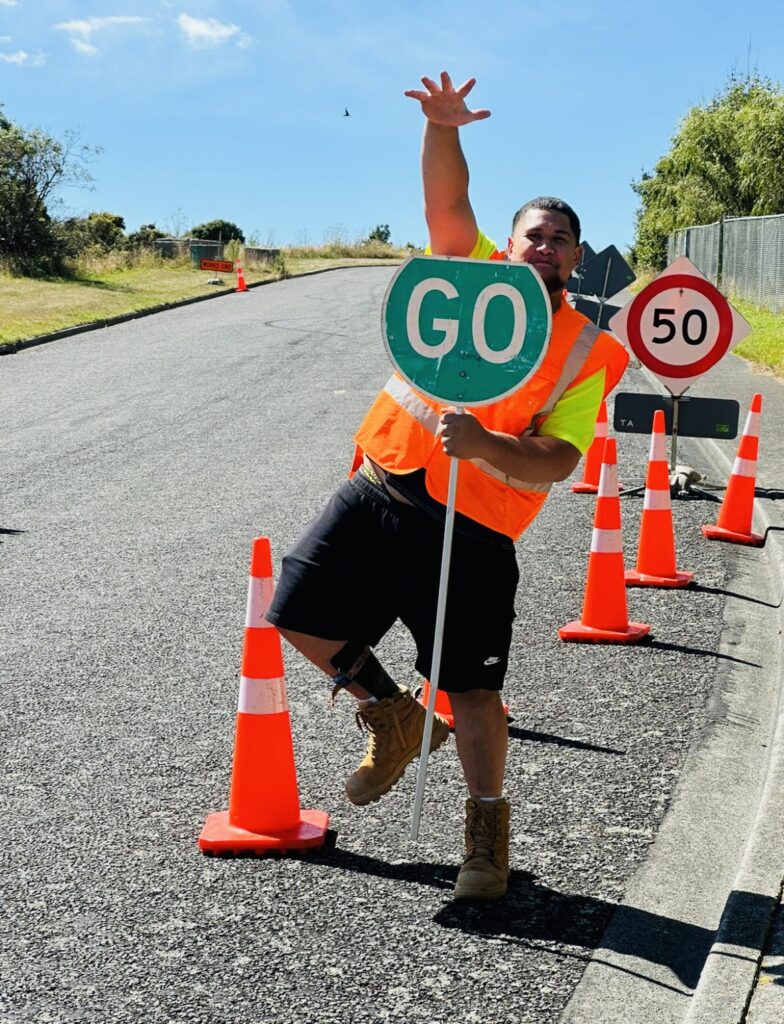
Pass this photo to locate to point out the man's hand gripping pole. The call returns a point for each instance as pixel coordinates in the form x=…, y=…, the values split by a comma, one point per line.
x=438, y=639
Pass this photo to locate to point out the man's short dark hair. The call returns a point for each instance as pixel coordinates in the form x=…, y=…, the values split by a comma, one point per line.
x=550, y=203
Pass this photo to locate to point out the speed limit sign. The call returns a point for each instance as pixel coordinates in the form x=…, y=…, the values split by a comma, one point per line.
x=679, y=326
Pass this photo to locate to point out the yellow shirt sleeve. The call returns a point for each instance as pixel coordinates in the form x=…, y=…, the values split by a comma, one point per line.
x=482, y=250
x=574, y=415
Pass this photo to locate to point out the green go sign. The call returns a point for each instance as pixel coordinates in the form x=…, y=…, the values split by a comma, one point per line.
x=466, y=332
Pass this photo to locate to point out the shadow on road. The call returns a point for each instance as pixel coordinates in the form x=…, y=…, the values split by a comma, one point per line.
x=535, y=913
x=662, y=645
x=561, y=741
x=532, y=913
x=699, y=588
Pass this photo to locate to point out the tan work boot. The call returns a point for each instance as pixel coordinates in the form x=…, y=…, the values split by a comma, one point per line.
x=395, y=726
x=485, y=869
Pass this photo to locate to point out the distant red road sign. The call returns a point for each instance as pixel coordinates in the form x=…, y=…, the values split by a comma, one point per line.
x=679, y=326
x=220, y=266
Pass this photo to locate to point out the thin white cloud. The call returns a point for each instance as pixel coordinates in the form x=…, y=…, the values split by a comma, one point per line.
x=201, y=32
x=5, y=39
x=81, y=46
x=8, y=3
x=23, y=58
x=81, y=30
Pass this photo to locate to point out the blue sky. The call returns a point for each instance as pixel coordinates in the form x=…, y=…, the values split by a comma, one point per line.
x=235, y=109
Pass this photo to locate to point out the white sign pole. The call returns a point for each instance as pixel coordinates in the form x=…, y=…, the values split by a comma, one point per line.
x=438, y=640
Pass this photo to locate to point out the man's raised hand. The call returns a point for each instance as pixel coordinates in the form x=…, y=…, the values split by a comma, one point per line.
x=445, y=104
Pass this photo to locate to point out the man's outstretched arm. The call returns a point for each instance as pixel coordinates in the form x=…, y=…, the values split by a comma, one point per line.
x=450, y=218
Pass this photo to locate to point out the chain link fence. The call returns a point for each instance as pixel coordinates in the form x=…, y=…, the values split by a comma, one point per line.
x=743, y=256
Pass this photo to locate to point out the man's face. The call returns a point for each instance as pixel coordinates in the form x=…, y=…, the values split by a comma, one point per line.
x=544, y=238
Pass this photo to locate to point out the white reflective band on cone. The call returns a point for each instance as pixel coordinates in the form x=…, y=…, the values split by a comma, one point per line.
x=657, y=501
x=608, y=481
x=600, y=430
x=658, y=448
x=262, y=696
x=752, y=424
x=259, y=599
x=744, y=467
x=606, y=542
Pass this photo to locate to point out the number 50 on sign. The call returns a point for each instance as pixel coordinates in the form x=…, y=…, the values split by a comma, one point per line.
x=679, y=326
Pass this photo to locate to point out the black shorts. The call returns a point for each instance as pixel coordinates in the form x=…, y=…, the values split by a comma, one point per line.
x=368, y=560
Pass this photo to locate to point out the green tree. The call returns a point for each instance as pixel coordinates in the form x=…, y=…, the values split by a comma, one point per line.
x=218, y=231
x=144, y=237
x=380, y=233
x=106, y=229
x=33, y=166
x=726, y=160
x=101, y=231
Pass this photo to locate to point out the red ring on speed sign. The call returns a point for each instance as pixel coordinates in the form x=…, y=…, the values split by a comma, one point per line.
x=696, y=284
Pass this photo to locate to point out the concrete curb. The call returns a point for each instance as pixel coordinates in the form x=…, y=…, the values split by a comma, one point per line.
x=42, y=339
x=716, y=865
x=728, y=978
x=727, y=981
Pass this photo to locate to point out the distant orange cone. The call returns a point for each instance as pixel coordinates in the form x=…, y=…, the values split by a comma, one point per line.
x=737, y=509
x=264, y=812
x=443, y=704
x=241, y=286
x=593, y=457
x=656, y=551
x=605, y=618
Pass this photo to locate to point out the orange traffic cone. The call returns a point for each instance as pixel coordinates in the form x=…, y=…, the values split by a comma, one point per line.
x=241, y=286
x=605, y=617
x=656, y=552
x=264, y=812
x=443, y=706
x=593, y=457
x=738, y=506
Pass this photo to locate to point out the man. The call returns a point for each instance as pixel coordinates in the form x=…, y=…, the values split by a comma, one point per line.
x=374, y=553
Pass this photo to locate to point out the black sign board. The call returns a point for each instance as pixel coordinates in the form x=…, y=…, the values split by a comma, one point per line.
x=697, y=417
x=598, y=313
x=604, y=275
x=573, y=284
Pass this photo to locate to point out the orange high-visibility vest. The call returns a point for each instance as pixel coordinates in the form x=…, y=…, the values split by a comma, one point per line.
x=399, y=432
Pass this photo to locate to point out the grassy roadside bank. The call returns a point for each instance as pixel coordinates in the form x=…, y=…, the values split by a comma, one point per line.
x=30, y=307
x=764, y=347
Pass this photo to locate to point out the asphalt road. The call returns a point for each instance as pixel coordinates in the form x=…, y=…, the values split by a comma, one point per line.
x=138, y=464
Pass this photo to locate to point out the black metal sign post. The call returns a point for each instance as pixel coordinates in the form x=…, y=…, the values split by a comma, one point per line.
x=684, y=416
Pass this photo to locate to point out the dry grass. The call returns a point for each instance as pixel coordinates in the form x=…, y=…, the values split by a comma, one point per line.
x=114, y=285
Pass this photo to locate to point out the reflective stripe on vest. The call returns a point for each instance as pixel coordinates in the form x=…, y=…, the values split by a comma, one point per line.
x=429, y=418
x=581, y=349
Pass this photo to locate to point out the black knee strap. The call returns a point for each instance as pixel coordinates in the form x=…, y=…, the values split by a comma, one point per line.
x=356, y=663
